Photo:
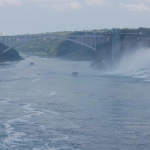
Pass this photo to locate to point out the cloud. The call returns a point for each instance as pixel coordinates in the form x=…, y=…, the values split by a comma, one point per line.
x=71, y=4
x=59, y=4
x=10, y=2
x=50, y=0
x=136, y=7
x=144, y=0
x=67, y=5
x=96, y=2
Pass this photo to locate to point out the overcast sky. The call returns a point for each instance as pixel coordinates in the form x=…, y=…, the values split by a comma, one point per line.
x=40, y=16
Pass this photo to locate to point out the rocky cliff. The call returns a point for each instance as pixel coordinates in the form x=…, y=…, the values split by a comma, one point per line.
x=132, y=43
x=11, y=55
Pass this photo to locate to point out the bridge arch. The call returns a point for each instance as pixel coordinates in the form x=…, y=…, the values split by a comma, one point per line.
x=73, y=38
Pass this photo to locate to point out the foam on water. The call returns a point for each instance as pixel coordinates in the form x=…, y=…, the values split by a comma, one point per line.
x=12, y=136
x=34, y=92
x=5, y=101
x=37, y=90
x=53, y=93
x=43, y=148
x=35, y=80
x=31, y=111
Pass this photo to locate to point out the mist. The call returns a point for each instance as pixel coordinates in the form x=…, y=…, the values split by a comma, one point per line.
x=135, y=64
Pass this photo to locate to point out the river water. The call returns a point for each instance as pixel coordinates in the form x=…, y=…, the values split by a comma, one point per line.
x=43, y=107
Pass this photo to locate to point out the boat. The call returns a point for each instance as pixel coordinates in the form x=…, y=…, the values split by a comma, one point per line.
x=31, y=63
x=75, y=73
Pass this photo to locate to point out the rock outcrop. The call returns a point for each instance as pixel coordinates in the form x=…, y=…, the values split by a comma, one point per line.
x=11, y=55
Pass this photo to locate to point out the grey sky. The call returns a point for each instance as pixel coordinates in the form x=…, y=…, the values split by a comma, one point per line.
x=40, y=16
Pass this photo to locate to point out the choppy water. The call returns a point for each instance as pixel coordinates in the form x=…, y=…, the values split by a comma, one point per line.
x=43, y=107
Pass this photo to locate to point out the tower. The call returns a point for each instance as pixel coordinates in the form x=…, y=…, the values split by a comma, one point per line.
x=115, y=44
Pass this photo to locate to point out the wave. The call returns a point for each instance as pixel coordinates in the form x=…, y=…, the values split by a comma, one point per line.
x=52, y=93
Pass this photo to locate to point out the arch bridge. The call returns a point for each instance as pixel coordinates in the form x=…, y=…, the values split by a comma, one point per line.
x=9, y=42
x=90, y=41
